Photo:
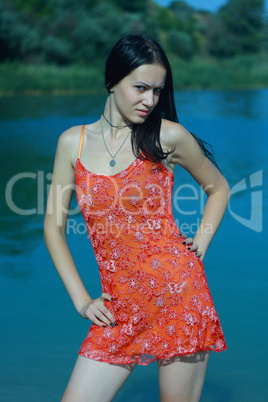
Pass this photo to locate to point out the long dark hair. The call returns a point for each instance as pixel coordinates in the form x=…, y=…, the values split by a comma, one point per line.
x=129, y=53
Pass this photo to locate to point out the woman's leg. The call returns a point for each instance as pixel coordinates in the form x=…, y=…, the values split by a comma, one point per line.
x=95, y=381
x=181, y=378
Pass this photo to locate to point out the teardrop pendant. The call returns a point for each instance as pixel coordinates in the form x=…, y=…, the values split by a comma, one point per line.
x=112, y=162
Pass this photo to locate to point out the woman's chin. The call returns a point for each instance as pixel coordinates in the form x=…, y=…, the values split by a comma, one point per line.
x=139, y=119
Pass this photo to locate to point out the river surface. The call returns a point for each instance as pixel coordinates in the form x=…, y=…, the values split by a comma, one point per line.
x=41, y=332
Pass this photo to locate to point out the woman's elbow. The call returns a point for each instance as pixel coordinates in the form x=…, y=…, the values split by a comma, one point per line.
x=226, y=188
x=50, y=229
x=47, y=230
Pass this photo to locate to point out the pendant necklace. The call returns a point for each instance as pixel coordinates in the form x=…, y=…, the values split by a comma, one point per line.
x=115, y=126
x=112, y=162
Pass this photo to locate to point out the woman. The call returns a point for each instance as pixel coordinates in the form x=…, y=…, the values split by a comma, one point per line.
x=155, y=302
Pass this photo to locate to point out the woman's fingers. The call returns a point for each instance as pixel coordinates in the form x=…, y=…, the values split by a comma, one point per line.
x=188, y=242
x=106, y=312
x=99, y=314
x=106, y=316
x=106, y=296
x=193, y=247
x=198, y=253
x=98, y=322
x=101, y=319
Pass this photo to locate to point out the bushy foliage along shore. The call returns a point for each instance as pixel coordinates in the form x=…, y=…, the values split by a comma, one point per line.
x=59, y=46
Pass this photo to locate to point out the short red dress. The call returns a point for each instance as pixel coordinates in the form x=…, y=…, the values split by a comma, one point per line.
x=161, y=298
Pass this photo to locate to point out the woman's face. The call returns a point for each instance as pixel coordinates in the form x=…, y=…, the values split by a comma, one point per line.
x=136, y=95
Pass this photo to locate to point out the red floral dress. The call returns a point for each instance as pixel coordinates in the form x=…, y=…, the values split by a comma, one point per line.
x=161, y=299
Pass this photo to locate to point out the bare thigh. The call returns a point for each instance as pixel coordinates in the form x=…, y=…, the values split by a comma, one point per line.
x=181, y=378
x=95, y=381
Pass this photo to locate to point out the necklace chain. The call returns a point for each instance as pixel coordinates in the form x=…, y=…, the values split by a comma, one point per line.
x=115, y=126
x=112, y=162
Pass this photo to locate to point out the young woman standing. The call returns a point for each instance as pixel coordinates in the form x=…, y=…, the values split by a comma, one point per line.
x=155, y=303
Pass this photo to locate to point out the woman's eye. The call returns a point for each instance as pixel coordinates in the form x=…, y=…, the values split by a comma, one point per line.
x=141, y=88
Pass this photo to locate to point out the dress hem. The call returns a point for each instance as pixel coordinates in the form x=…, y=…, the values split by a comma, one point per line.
x=128, y=360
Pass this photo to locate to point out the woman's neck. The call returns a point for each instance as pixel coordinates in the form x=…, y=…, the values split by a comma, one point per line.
x=113, y=120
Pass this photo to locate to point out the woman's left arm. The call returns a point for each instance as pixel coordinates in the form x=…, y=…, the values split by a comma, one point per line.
x=191, y=157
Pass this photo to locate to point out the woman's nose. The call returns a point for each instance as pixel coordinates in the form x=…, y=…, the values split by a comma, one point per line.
x=148, y=99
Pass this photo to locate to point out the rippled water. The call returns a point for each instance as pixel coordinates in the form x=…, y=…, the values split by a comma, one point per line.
x=41, y=331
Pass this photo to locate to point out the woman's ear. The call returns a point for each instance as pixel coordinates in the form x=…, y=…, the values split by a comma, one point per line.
x=110, y=90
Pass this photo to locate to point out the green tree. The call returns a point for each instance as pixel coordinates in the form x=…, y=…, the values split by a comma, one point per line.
x=221, y=43
x=134, y=6
x=180, y=44
x=56, y=50
x=182, y=10
x=38, y=7
x=17, y=39
x=243, y=20
x=167, y=20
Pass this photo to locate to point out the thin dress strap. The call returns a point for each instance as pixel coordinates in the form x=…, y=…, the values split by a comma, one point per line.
x=81, y=141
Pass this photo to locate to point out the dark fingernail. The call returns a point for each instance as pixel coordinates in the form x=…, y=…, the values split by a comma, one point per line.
x=115, y=323
x=180, y=234
x=184, y=242
x=189, y=248
x=112, y=299
x=111, y=325
x=104, y=326
x=195, y=253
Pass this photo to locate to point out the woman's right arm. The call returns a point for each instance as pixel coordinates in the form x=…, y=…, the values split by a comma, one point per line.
x=55, y=223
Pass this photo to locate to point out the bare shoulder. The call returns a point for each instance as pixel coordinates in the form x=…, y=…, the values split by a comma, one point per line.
x=68, y=143
x=188, y=154
x=186, y=151
x=172, y=134
x=69, y=134
x=174, y=137
x=69, y=140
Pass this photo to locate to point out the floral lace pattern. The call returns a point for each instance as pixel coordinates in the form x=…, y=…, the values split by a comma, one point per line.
x=161, y=299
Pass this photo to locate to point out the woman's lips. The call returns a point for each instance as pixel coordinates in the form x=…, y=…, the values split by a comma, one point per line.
x=142, y=113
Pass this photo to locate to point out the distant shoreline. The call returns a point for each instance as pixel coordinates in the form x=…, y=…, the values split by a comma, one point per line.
x=101, y=92
x=243, y=72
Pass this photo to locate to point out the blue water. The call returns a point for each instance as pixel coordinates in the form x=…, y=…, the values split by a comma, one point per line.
x=40, y=330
